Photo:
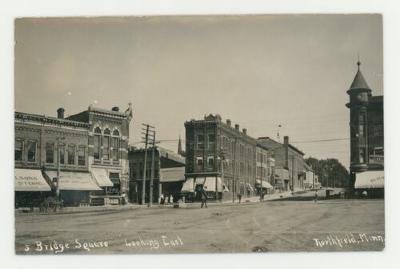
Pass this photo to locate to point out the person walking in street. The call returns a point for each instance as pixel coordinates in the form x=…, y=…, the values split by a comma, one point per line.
x=204, y=197
x=239, y=197
x=316, y=196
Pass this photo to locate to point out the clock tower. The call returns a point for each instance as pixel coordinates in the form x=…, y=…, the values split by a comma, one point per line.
x=359, y=94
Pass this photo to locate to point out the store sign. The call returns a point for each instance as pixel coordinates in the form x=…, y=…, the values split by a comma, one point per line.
x=376, y=159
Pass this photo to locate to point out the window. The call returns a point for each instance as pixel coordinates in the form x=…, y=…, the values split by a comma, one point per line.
x=19, y=145
x=200, y=141
x=97, y=144
x=115, y=145
x=210, y=161
x=71, y=154
x=31, y=151
x=199, y=161
x=211, y=141
x=361, y=130
x=378, y=130
x=362, y=155
x=81, y=155
x=106, y=144
x=62, y=154
x=49, y=152
x=378, y=151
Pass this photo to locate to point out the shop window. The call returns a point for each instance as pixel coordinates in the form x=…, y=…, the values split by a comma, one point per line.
x=49, y=152
x=81, y=155
x=31, y=147
x=200, y=141
x=19, y=145
x=378, y=151
x=71, y=154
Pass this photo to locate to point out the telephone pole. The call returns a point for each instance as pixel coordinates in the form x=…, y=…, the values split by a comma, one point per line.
x=145, y=131
x=153, y=138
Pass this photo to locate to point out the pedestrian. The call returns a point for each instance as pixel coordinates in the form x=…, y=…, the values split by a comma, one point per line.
x=239, y=197
x=203, y=197
x=316, y=196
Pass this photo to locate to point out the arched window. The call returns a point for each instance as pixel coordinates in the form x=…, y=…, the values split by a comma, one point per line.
x=106, y=144
x=115, y=145
x=97, y=143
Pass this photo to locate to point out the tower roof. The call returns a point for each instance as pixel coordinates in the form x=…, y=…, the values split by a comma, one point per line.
x=359, y=80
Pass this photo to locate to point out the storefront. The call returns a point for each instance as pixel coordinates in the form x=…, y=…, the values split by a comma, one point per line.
x=31, y=188
x=75, y=187
x=212, y=186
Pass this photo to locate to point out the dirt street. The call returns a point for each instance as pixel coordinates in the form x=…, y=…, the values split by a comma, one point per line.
x=338, y=225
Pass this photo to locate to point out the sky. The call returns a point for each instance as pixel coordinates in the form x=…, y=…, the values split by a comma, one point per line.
x=258, y=71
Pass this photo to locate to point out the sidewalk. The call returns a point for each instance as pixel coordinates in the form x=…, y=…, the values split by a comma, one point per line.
x=110, y=208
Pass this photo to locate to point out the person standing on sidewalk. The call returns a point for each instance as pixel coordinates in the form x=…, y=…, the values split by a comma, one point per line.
x=316, y=196
x=239, y=197
x=204, y=197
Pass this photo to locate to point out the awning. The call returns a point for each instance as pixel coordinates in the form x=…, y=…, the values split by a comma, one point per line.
x=370, y=180
x=30, y=180
x=101, y=176
x=264, y=184
x=75, y=181
x=188, y=186
x=174, y=174
x=249, y=187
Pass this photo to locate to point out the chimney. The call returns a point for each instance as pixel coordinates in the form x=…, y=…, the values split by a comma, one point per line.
x=115, y=108
x=286, y=147
x=228, y=121
x=245, y=131
x=237, y=127
x=60, y=113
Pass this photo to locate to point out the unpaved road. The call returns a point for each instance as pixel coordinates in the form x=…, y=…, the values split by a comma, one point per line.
x=338, y=225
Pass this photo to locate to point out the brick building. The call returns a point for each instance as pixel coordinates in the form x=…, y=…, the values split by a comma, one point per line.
x=42, y=144
x=366, y=137
x=222, y=158
x=290, y=169
x=169, y=173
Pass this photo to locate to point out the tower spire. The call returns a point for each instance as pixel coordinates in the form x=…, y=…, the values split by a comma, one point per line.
x=179, y=145
x=358, y=62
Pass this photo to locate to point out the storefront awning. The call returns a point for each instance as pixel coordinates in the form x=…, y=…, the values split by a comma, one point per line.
x=75, y=181
x=30, y=180
x=281, y=173
x=188, y=185
x=264, y=184
x=175, y=174
x=101, y=176
x=370, y=180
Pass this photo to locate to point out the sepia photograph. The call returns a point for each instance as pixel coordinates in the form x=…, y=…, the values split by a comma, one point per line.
x=199, y=134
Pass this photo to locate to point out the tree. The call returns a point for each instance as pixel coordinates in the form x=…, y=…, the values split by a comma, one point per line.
x=331, y=172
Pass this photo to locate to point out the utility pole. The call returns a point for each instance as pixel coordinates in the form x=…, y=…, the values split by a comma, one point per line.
x=145, y=132
x=58, y=167
x=153, y=137
x=234, y=172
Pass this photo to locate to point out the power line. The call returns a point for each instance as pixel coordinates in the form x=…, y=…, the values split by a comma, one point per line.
x=321, y=140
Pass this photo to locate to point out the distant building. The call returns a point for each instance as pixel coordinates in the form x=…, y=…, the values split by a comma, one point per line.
x=221, y=158
x=169, y=174
x=289, y=163
x=366, y=137
x=90, y=148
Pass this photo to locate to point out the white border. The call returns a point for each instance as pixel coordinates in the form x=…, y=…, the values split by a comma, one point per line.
x=41, y=8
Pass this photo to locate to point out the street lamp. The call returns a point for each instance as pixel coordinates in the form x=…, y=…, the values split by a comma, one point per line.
x=58, y=166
